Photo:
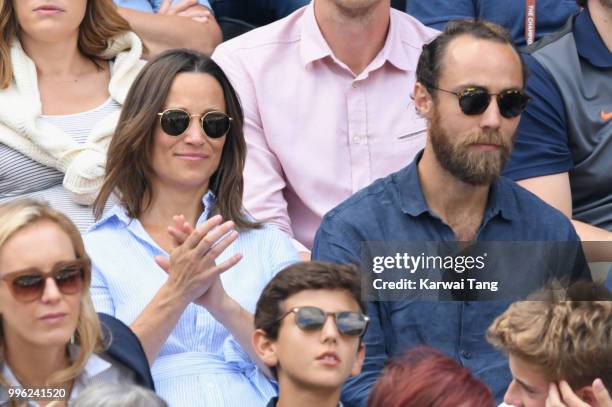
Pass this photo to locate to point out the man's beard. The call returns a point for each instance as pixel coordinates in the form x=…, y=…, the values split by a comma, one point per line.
x=468, y=164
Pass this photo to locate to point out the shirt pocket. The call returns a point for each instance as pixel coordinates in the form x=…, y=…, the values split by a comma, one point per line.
x=412, y=126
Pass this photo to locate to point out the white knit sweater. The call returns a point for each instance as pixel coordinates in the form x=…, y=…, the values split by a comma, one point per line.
x=21, y=128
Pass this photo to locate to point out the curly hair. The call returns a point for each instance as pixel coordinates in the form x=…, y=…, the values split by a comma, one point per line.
x=568, y=339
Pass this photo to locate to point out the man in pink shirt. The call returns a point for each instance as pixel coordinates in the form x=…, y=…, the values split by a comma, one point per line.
x=326, y=94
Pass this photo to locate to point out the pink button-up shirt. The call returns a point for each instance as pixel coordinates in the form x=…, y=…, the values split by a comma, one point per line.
x=315, y=132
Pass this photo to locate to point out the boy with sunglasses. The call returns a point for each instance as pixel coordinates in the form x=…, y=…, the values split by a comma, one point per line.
x=469, y=88
x=309, y=323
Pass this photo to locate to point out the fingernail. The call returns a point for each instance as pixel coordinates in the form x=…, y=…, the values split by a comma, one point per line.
x=598, y=385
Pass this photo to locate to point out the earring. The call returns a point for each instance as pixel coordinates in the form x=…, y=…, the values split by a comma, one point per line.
x=73, y=339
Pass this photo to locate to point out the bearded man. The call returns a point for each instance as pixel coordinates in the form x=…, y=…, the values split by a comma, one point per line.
x=469, y=88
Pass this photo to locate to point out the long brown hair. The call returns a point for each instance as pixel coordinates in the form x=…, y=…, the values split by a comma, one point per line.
x=101, y=23
x=128, y=167
x=16, y=215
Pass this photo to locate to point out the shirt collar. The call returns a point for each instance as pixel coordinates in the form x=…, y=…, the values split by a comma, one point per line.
x=119, y=214
x=313, y=46
x=94, y=366
x=589, y=43
x=393, y=50
x=413, y=201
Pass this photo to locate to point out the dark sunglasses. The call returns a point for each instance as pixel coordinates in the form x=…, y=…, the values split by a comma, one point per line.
x=175, y=121
x=475, y=100
x=349, y=323
x=29, y=284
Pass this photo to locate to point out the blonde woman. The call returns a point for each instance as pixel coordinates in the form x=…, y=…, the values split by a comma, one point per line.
x=65, y=69
x=50, y=334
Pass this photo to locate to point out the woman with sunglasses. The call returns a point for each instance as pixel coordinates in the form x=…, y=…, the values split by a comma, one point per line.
x=65, y=68
x=177, y=159
x=50, y=334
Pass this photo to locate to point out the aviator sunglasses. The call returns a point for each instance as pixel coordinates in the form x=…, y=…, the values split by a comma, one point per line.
x=175, y=121
x=349, y=323
x=475, y=100
x=29, y=284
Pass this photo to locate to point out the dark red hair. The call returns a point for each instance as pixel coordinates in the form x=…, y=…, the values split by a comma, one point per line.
x=424, y=377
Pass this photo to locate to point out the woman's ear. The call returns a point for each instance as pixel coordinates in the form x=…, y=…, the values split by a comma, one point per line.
x=423, y=101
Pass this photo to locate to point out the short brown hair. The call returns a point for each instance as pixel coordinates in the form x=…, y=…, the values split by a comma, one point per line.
x=101, y=23
x=312, y=275
x=570, y=340
x=430, y=64
x=128, y=166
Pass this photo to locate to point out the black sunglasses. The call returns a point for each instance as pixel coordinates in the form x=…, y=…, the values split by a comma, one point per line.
x=29, y=284
x=475, y=100
x=175, y=121
x=349, y=323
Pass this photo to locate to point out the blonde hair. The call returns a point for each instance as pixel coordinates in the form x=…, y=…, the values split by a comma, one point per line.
x=568, y=339
x=101, y=23
x=16, y=215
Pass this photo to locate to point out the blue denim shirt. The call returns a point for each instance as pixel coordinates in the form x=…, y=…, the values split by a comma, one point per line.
x=394, y=209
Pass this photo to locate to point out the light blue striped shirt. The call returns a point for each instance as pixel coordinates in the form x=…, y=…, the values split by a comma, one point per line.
x=151, y=6
x=200, y=364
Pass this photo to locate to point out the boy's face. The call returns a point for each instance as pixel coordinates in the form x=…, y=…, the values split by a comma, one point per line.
x=529, y=386
x=321, y=358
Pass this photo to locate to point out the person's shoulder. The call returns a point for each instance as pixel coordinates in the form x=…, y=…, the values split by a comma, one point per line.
x=105, y=230
x=123, y=346
x=413, y=33
x=370, y=198
x=549, y=40
x=283, y=32
x=264, y=234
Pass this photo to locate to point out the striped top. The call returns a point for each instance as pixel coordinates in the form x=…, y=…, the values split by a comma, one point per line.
x=22, y=177
x=200, y=364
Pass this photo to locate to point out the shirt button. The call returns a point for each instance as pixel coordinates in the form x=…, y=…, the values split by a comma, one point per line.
x=355, y=85
x=466, y=354
x=356, y=140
